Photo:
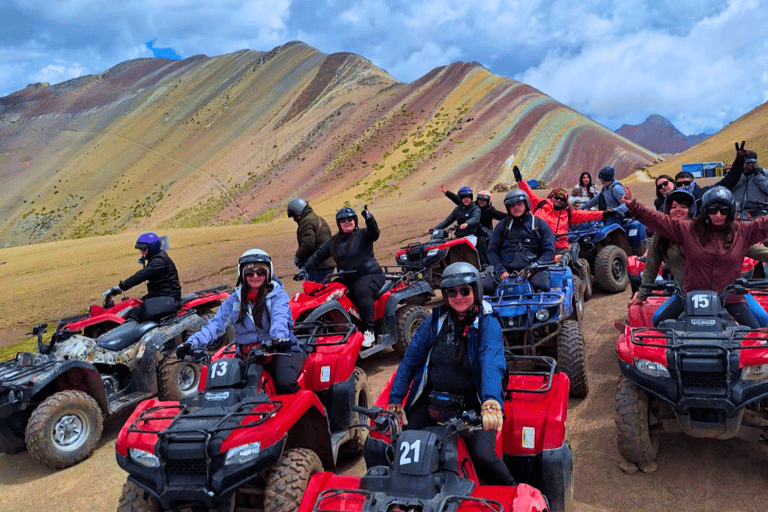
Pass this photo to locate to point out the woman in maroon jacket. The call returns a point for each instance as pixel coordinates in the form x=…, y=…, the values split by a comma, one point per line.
x=714, y=245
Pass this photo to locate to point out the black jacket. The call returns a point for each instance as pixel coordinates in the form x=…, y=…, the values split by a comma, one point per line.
x=516, y=243
x=460, y=215
x=487, y=214
x=160, y=274
x=353, y=252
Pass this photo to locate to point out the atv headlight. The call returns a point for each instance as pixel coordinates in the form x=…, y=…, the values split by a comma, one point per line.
x=143, y=458
x=243, y=454
x=758, y=372
x=542, y=315
x=431, y=252
x=651, y=368
x=403, y=258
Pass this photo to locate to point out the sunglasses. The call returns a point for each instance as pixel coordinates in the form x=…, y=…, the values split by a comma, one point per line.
x=663, y=184
x=261, y=272
x=344, y=221
x=713, y=209
x=561, y=198
x=683, y=183
x=465, y=291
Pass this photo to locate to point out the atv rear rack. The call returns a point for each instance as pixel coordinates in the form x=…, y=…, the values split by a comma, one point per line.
x=529, y=366
x=369, y=504
x=154, y=414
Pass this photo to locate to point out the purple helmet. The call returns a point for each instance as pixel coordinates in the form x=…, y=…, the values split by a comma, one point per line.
x=151, y=241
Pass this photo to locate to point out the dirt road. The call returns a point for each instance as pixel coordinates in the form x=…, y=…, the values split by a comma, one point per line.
x=693, y=475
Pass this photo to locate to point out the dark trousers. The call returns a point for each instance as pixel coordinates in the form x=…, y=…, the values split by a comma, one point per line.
x=363, y=291
x=481, y=445
x=482, y=248
x=285, y=370
x=674, y=306
x=318, y=275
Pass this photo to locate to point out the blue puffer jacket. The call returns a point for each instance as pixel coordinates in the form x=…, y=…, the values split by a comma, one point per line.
x=277, y=323
x=485, y=351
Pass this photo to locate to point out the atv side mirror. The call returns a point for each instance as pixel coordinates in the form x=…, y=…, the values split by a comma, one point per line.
x=164, y=245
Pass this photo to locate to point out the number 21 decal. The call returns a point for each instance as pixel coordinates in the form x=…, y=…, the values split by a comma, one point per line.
x=407, y=448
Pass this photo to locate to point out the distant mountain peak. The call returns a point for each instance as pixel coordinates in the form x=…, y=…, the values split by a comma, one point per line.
x=659, y=135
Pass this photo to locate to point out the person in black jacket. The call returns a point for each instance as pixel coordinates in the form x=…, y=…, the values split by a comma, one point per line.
x=520, y=240
x=466, y=215
x=488, y=213
x=159, y=271
x=352, y=249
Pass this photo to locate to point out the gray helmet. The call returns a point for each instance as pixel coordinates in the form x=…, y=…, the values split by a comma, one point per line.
x=460, y=273
x=515, y=196
x=296, y=208
x=718, y=195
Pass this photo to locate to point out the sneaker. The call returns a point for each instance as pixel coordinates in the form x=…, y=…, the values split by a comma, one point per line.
x=368, y=339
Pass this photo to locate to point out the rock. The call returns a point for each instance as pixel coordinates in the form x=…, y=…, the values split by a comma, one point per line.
x=648, y=468
x=628, y=467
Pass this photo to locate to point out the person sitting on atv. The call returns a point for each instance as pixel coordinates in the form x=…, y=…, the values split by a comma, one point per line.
x=584, y=189
x=609, y=198
x=352, y=248
x=488, y=213
x=466, y=215
x=714, y=245
x=312, y=232
x=159, y=271
x=455, y=362
x=258, y=310
x=521, y=239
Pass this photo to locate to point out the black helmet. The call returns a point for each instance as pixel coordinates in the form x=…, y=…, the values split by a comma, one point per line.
x=515, y=196
x=460, y=273
x=681, y=195
x=345, y=213
x=465, y=192
x=296, y=208
x=485, y=196
x=718, y=195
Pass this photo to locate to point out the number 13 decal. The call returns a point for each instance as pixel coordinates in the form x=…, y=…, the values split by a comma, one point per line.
x=407, y=449
x=219, y=369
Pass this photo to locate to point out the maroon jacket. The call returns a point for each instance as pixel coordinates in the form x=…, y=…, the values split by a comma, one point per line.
x=711, y=266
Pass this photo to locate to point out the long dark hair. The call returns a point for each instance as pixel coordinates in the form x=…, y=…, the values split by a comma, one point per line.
x=664, y=242
x=703, y=229
x=665, y=176
x=259, y=305
x=347, y=242
x=581, y=179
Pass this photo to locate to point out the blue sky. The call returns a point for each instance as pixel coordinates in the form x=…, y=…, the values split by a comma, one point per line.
x=699, y=63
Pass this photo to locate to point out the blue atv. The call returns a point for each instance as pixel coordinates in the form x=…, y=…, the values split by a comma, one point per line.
x=605, y=248
x=545, y=323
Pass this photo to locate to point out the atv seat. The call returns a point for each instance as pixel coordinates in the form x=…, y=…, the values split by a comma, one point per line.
x=125, y=335
x=188, y=297
x=384, y=289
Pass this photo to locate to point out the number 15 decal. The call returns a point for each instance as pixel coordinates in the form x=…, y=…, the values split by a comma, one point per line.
x=407, y=449
x=700, y=301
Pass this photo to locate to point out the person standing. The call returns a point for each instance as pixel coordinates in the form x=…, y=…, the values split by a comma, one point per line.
x=609, y=198
x=751, y=191
x=312, y=231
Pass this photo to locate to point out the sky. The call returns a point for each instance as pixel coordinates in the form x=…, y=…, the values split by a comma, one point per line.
x=699, y=63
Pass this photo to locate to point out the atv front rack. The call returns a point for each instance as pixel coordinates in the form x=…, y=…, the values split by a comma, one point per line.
x=233, y=420
x=367, y=501
x=666, y=338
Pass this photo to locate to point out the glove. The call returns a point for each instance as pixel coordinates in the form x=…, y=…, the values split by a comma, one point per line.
x=112, y=291
x=300, y=275
x=183, y=350
x=610, y=213
x=518, y=174
x=365, y=213
x=298, y=262
x=282, y=344
x=740, y=151
x=398, y=410
x=492, y=417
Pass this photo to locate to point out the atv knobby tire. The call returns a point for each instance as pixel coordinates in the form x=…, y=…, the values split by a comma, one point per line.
x=611, y=269
x=354, y=446
x=578, y=300
x=64, y=429
x=177, y=379
x=132, y=500
x=287, y=480
x=572, y=357
x=586, y=278
x=409, y=318
x=633, y=431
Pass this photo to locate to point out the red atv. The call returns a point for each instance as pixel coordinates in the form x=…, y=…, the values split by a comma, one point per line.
x=236, y=443
x=52, y=403
x=430, y=470
x=430, y=258
x=399, y=308
x=701, y=373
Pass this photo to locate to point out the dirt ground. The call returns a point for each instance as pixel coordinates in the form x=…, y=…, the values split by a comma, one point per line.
x=693, y=474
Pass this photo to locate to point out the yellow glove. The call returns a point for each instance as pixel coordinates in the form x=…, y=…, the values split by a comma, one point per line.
x=492, y=417
x=399, y=411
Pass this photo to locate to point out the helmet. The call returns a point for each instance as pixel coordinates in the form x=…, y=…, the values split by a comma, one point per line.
x=460, y=273
x=465, y=192
x=718, y=195
x=681, y=195
x=151, y=241
x=515, y=196
x=751, y=158
x=484, y=195
x=606, y=174
x=345, y=213
x=296, y=207
x=254, y=256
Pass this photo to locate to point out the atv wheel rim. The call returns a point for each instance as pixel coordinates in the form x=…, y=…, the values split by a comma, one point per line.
x=617, y=269
x=70, y=432
x=187, y=378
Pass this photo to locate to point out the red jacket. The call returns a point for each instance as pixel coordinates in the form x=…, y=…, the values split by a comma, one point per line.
x=557, y=220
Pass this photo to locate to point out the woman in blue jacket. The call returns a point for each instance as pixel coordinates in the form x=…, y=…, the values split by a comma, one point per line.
x=259, y=311
x=455, y=361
